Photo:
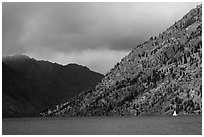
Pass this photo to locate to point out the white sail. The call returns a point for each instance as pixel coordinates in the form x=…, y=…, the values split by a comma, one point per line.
x=174, y=114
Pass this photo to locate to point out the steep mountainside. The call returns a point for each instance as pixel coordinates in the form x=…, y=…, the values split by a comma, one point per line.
x=16, y=94
x=157, y=77
x=41, y=84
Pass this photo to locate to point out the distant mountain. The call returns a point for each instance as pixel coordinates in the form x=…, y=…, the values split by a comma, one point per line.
x=157, y=77
x=31, y=86
x=16, y=94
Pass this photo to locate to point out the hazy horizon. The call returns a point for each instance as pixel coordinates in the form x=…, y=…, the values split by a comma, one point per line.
x=96, y=35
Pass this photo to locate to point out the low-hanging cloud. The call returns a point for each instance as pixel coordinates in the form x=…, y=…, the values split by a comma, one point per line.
x=69, y=28
x=97, y=60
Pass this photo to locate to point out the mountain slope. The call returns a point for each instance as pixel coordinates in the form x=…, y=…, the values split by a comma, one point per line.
x=43, y=83
x=157, y=77
x=16, y=94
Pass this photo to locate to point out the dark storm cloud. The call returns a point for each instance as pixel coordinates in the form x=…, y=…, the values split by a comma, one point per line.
x=69, y=29
x=78, y=26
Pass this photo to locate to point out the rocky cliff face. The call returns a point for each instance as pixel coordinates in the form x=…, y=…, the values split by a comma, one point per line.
x=157, y=77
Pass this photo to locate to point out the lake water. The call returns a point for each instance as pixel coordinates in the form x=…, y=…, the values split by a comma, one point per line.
x=138, y=125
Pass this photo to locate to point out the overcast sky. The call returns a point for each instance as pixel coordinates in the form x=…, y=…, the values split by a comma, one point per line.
x=97, y=35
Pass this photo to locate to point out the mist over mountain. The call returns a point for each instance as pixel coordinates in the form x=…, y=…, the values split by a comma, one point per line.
x=96, y=34
x=162, y=75
x=30, y=86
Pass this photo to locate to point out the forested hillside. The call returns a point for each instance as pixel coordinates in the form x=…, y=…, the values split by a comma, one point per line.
x=157, y=77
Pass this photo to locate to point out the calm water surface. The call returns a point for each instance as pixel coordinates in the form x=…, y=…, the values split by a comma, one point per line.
x=148, y=125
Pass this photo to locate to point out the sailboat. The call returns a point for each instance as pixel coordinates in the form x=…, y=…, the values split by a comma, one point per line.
x=174, y=114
